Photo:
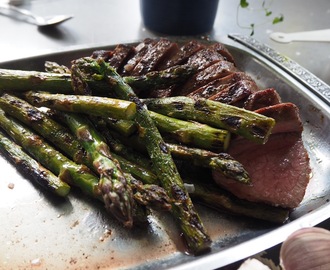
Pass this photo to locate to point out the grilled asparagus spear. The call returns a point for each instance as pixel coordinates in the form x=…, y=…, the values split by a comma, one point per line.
x=250, y=125
x=58, y=79
x=29, y=166
x=160, y=79
x=191, y=225
x=209, y=194
x=99, y=106
x=222, y=162
x=21, y=80
x=113, y=183
x=192, y=133
x=61, y=137
x=67, y=170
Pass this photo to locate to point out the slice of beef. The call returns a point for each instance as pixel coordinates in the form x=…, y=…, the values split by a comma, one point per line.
x=237, y=93
x=286, y=116
x=182, y=54
x=218, y=70
x=154, y=56
x=221, y=48
x=104, y=54
x=204, y=58
x=161, y=93
x=140, y=50
x=262, y=98
x=279, y=169
x=218, y=85
x=120, y=55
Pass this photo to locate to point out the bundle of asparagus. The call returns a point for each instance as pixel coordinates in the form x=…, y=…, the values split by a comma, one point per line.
x=82, y=142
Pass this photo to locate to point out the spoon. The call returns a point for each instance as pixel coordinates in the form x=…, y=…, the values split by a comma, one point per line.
x=32, y=18
x=317, y=35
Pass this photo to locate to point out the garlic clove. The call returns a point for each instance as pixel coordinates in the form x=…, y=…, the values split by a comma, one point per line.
x=307, y=248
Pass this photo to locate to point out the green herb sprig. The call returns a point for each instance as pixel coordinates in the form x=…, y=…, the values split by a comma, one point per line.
x=264, y=7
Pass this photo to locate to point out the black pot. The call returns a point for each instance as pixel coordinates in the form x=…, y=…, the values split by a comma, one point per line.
x=179, y=17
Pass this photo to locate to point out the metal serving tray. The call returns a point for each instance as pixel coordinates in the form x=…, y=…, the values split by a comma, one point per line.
x=41, y=231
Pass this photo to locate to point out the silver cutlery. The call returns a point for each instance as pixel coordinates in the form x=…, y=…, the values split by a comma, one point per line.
x=26, y=15
x=317, y=35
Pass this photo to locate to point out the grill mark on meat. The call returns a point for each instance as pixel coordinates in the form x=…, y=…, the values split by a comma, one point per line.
x=218, y=85
x=120, y=55
x=262, y=98
x=162, y=93
x=104, y=54
x=182, y=54
x=140, y=50
x=221, y=48
x=218, y=70
x=237, y=93
x=153, y=57
x=286, y=116
x=204, y=58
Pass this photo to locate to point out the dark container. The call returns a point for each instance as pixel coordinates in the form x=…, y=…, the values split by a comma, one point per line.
x=179, y=17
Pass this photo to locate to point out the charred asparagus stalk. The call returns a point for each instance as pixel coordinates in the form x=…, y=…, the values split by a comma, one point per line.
x=54, y=67
x=29, y=166
x=67, y=170
x=21, y=80
x=121, y=149
x=99, y=106
x=123, y=127
x=222, y=162
x=191, y=225
x=250, y=125
x=44, y=126
x=192, y=133
x=61, y=137
x=76, y=174
x=151, y=195
x=214, y=197
x=113, y=184
x=57, y=79
x=160, y=79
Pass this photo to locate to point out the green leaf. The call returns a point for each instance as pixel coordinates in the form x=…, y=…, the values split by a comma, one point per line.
x=244, y=3
x=278, y=19
x=268, y=13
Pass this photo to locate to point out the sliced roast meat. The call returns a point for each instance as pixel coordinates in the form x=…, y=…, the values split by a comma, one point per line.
x=204, y=58
x=140, y=50
x=218, y=70
x=221, y=48
x=279, y=170
x=161, y=93
x=286, y=116
x=181, y=55
x=262, y=98
x=154, y=56
x=120, y=55
x=237, y=93
x=218, y=85
x=104, y=54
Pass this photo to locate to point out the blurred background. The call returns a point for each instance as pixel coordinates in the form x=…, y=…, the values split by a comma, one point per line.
x=105, y=22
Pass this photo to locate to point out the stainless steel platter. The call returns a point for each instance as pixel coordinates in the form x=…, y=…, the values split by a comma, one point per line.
x=39, y=231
